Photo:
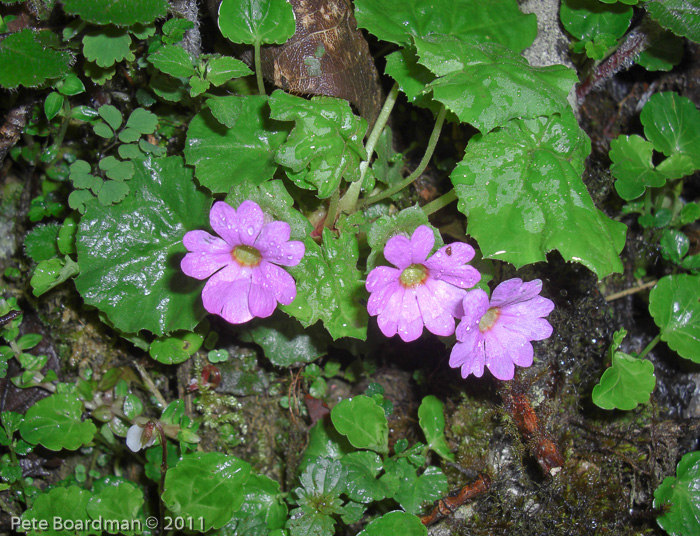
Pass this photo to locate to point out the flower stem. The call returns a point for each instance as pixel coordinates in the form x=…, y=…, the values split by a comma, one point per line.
x=348, y=202
x=432, y=143
x=258, y=68
x=650, y=346
x=332, y=210
x=440, y=202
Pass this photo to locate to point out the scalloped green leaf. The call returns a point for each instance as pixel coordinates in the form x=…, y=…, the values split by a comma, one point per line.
x=682, y=17
x=672, y=125
x=256, y=21
x=173, y=60
x=107, y=46
x=130, y=253
x=395, y=523
x=197, y=484
x=682, y=494
x=411, y=76
x=55, y=423
x=263, y=509
x=66, y=503
x=628, y=382
x=588, y=19
x=244, y=153
x=40, y=242
x=411, y=491
x=117, y=12
x=120, y=503
x=142, y=121
x=399, y=20
x=432, y=421
x=486, y=84
x=363, y=422
x=674, y=303
x=30, y=58
x=521, y=188
x=362, y=469
x=325, y=144
x=632, y=166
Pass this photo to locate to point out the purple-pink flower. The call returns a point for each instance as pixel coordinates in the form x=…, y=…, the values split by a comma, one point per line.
x=497, y=334
x=420, y=291
x=244, y=264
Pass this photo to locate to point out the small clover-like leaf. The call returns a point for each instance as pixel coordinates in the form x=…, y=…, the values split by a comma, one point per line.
x=142, y=121
x=107, y=46
x=627, y=383
x=111, y=114
x=117, y=169
x=432, y=421
x=196, y=485
x=117, y=12
x=129, y=253
x=521, y=188
x=682, y=494
x=363, y=422
x=486, y=84
x=324, y=146
x=674, y=303
x=173, y=60
x=29, y=58
x=400, y=523
x=112, y=192
x=223, y=157
x=398, y=20
x=256, y=21
x=55, y=423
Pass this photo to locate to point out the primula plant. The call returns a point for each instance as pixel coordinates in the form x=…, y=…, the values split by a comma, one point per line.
x=290, y=268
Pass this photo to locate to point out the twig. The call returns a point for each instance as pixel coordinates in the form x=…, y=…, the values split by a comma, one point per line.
x=447, y=506
x=632, y=290
x=151, y=386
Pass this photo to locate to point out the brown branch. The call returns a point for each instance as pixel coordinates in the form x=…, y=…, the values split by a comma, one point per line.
x=446, y=506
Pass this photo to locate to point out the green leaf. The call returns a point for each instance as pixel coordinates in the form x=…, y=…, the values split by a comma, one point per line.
x=588, y=19
x=690, y=213
x=198, y=86
x=325, y=144
x=71, y=85
x=112, y=192
x=78, y=199
x=130, y=253
x=674, y=303
x=521, y=188
x=51, y=273
x=330, y=287
x=363, y=422
x=176, y=349
x=486, y=84
x=262, y=507
x=256, y=21
x=411, y=490
x=107, y=46
x=66, y=503
x=411, y=76
x=117, y=12
x=395, y=524
x=324, y=442
x=664, y=53
x=627, y=383
x=129, y=151
x=307, y=521
x=196, y=485
x=222, y=69
x=121, y=502
x=224, y=157
x=55, y=423
x=40, y=242
x=286, y=343
x=174, y=30
x=142, y=121
x=432, y=421
x=632, y=166
x=362, y=469
x=53, y=104
x=398, y=20
x=225, y=109
x=674, y=245
x=682, y=494
x=117, y=169
x=682, y=17
x=173, y=60
x=110, y=114
x=103, y=130
x=672, y=125
x=28, y=58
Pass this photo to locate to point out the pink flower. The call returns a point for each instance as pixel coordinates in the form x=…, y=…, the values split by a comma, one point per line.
x=420, y=292
x=498, y=334
x=245, y=279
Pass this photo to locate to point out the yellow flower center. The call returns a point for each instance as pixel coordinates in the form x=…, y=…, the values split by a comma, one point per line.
x=489, y=319
x=413, y=275
x=246, y=255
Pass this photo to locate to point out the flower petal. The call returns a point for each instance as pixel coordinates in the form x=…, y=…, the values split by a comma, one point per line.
x=273, y=242
x=514, y=291
x=436, y=317
x=277, y=281
x=261, y=301
x=250, y=222
x=398, y=251
x=497, y=359
x=380, y=277
x=228, y=298
x=224, y=221
x=196, y=241
x=388, y=318
x=202, y=264
x=422, y=242
x=533, y=328
x=475, y=304
x=470, y=358
x=448, y=296
x=410, y=320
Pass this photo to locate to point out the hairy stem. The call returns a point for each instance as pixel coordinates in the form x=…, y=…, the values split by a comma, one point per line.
x=432, y=143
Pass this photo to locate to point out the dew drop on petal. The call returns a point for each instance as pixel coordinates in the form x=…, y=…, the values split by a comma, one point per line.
x=250, y=231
